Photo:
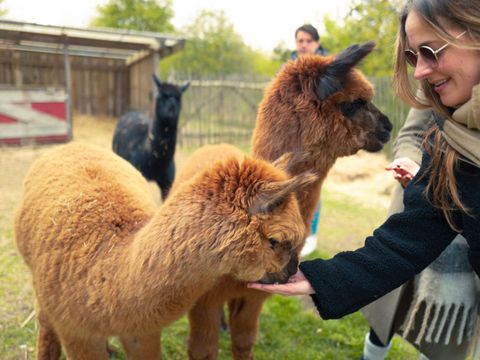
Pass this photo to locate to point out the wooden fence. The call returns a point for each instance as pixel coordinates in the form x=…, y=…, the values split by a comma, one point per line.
x=100, y=86
x=216, y=111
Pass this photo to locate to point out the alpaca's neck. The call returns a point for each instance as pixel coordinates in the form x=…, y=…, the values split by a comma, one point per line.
x=162, y=136
x=276, y=134
x=168, y=265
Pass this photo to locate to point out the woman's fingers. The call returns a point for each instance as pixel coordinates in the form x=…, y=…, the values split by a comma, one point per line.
x=302, y=287
x=272, y=289
x=404, y=169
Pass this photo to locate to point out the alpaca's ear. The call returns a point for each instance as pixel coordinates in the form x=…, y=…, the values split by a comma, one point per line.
x=184, y=87
x=283, y=162
x=157, y=81
x=290, y=160
x=332, y=80
x=274, y=194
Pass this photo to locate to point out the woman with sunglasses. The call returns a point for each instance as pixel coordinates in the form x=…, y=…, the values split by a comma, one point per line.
x=443, y=199
x=447, y=283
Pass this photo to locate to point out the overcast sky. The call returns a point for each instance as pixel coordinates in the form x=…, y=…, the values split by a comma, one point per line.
x=262, y=23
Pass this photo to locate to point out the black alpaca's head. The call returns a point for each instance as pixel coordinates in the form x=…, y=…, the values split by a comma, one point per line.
x=168, y=102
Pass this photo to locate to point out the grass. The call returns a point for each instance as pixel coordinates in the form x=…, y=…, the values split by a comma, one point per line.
x=345, y=223
x=16, y=302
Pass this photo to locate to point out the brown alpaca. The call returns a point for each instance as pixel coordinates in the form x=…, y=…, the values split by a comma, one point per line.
x=105, y=262
x=318, y=108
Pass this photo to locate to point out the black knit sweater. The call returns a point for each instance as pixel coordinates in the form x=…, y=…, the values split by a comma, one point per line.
x=402, y=247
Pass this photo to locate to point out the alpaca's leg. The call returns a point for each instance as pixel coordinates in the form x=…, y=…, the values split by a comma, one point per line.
x=205, y=322
x=85, y=349
x=142, y=348
x=244, y=315
x=48, y=343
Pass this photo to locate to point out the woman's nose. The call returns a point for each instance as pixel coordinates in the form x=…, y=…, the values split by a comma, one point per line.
x=422, y=70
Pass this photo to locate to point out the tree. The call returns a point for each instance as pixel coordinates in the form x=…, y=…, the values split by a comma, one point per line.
x=214, y=48
x=281, y=53
x=3, y=12
x=142, y=15
x=367, y=20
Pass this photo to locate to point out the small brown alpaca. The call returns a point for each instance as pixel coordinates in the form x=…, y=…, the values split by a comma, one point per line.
x=318, y=108
x=105, y=262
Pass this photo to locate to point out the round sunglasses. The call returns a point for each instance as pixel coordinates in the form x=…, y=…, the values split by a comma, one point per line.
x=428, y=55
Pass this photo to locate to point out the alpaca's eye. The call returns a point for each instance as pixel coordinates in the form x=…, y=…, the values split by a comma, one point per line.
x=349, y=109
x=273, y=242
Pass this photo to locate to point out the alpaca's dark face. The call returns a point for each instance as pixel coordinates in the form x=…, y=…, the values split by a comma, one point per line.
x=168, y=102
x=369, y=129
x=372, y=126
x=333, y=104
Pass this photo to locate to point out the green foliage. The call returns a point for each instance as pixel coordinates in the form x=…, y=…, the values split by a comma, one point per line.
x=367, y=20
x=141, y=15
x=3, y=12
x=214, y=48
x=281, y=53
x=264, y=65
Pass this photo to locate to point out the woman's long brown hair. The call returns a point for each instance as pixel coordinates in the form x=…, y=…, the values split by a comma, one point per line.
x=442, y=185
x=465, y=15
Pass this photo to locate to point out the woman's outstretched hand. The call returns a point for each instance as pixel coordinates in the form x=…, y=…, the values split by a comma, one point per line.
x=297, y=285
x=404, y=170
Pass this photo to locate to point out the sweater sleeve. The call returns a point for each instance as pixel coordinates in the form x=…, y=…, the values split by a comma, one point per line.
x=410, y=137
x=403, y=246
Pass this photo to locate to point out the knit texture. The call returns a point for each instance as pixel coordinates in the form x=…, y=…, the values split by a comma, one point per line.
x=402, y=247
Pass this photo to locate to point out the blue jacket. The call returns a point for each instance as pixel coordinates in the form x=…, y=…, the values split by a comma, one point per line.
x=320, y=51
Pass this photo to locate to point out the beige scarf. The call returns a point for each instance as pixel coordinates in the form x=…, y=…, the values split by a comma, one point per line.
x=445, y=300
x=462, y=132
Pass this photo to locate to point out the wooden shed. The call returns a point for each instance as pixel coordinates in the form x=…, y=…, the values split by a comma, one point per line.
x=93, y=71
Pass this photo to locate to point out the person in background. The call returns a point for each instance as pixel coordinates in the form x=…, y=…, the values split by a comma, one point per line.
x=440, y=40
x=307, y=42
x=447, y=283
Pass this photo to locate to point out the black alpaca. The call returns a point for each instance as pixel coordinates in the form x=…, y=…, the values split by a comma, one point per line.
x=150, y=145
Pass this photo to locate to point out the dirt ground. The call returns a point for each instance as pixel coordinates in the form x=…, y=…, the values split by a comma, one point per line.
x=361, y=177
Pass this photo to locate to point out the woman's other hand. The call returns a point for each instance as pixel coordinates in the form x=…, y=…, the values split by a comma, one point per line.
x=404, y=170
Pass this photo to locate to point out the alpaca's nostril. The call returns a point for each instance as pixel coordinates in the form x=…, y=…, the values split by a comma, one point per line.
x=387, y=123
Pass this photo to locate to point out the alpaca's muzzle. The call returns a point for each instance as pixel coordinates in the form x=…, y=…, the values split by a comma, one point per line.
x=282, y=277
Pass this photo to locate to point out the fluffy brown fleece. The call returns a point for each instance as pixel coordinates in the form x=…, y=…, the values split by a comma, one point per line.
x=105, y=262
x=292, y=118
x=318, y=108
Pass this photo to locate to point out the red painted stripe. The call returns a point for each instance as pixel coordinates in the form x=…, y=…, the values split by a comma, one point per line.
x=36, y=140
x=4, y=119
x=57, y=109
